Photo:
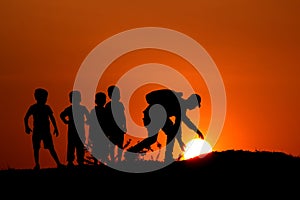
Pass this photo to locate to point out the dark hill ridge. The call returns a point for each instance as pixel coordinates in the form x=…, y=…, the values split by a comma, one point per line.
x=231, y=168
x=215, y=162
x=230, y=161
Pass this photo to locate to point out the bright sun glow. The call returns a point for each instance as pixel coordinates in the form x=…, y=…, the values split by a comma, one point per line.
x=196, y=147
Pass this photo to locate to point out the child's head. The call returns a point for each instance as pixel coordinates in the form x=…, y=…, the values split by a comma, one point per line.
x=41, y=95
x=100, y=98
x=75, y=97
x=113, y=92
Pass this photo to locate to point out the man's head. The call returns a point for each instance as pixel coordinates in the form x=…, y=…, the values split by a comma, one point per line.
x=193, y=101
x=41, y=95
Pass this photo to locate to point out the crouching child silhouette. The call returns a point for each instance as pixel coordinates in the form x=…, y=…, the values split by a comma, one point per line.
x=42, y=116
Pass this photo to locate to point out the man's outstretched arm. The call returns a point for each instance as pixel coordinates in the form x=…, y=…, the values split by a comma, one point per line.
x=192, y=126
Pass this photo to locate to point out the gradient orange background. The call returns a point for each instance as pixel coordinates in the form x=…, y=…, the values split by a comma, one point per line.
x=255, y=45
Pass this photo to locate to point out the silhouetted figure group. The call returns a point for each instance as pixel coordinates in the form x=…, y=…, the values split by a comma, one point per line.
x=107, y=125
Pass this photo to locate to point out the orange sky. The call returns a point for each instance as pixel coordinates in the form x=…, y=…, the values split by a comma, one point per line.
x=255, y=45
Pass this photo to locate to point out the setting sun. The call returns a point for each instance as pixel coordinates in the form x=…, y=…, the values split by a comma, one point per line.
x=196, y=147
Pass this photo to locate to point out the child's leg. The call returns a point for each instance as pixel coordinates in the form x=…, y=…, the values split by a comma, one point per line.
x=70, y=151
x=36, y=158
x=36, y=148
x=119, y=154
x=120, y=148
x=54, y=156
x=112, y=148
x=80, y=153
x=48, y=144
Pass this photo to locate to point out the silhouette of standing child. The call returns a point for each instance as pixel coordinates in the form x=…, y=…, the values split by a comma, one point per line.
x=42, y=115
x=76, y=131
x=116, y=122
x=97, y=138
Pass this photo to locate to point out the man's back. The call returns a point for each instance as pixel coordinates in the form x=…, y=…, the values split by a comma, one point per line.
x=169, y=99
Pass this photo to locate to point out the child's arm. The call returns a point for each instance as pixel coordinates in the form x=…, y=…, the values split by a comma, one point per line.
x=26, y=118
x=87, y=116
x=56, y=133
x=123, y=118
x=63, y=116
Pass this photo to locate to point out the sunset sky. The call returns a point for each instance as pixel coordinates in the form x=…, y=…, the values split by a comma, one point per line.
x=255, y=45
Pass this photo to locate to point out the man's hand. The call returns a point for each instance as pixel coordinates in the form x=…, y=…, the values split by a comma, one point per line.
x=200, y=134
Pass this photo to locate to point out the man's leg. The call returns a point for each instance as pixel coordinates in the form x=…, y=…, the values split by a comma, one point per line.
x=169, y=149
x=170, y=129
x=154, y=119
x=144, y=144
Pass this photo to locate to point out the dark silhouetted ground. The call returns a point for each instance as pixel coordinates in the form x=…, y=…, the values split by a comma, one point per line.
x=233, y=172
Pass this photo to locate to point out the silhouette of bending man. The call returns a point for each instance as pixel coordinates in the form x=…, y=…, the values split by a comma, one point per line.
x=42, y=116
x=163, y=105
